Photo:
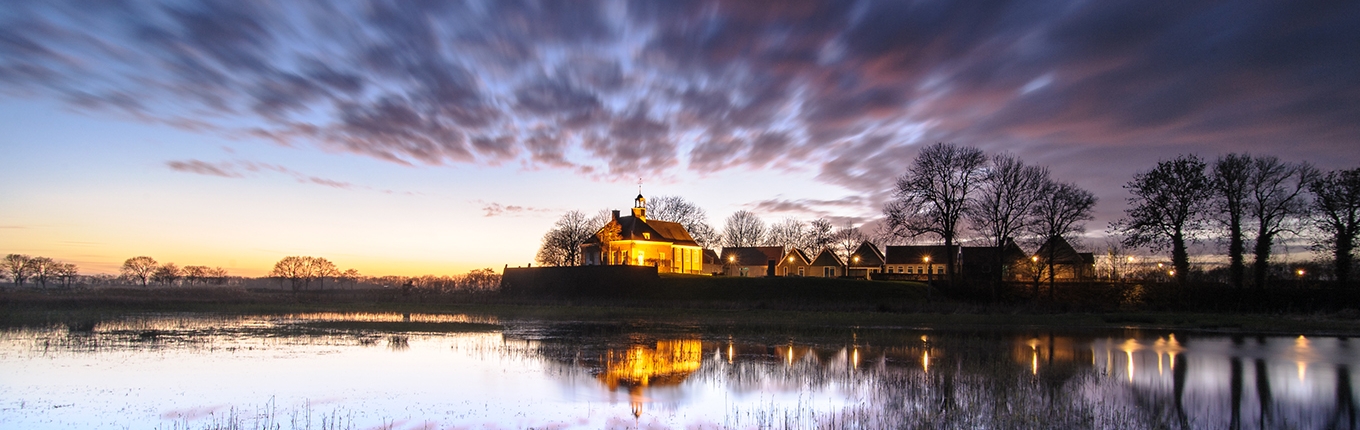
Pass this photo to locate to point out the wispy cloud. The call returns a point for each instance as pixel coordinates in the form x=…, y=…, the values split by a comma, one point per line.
x=493, y=209
x=843, y=89
x=240, y=168
x=225, y=170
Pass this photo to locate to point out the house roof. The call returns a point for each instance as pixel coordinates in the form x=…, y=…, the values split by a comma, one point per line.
x=988, y=254
x=634, y=228
x=867, y=255
x=752, y=255
x=1063, y=253
x=916, y=254
x=711, y=257
x=827, y=258
x=799, y=257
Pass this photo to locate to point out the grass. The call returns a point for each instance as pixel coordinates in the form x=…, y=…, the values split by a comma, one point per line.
x=751, y=303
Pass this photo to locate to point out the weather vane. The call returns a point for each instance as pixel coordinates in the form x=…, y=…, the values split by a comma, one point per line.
x=639, y=185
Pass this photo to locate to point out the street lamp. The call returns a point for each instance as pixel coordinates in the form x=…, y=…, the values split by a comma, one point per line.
x=929, y=271
x=1038, y=272
x=1300, y=273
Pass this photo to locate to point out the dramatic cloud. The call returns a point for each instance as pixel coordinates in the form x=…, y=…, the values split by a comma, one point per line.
x=845, y=90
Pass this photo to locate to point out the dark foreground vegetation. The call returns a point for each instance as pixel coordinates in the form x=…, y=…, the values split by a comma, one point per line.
x=1312, y=308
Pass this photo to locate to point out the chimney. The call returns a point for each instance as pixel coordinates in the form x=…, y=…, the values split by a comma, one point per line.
x=616, y=215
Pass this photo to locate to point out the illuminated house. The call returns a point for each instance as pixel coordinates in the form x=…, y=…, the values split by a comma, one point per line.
x=826, y=265
x=637, y=241
x=751, y=261
x=866, y=261
x=794, y=263
x=1068, y=264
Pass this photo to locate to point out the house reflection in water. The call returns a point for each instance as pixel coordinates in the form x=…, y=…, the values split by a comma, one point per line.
x=669, y=363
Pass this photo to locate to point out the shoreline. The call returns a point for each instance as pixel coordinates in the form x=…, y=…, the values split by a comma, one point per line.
x=46, y=308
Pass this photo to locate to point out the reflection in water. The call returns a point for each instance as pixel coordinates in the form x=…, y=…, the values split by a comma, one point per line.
x=638, y=367
x=676, y=376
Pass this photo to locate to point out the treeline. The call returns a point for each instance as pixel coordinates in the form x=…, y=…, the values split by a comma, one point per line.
x=300, y=272
x=144, y=270
x=1243, y=199
x=41, y=270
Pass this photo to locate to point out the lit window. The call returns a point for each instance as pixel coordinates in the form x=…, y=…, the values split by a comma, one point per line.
x=647, y=236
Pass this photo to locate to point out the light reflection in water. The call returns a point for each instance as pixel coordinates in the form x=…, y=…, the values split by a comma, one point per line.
x=570, y=375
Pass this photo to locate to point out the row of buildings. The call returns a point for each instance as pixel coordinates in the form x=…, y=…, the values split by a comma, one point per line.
x=638, y=241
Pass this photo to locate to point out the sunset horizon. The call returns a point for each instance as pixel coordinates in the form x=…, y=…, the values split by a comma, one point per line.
x=401, y=140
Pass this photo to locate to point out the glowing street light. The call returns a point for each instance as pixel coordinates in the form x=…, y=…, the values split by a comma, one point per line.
x=1300, y=273
x=929, y=271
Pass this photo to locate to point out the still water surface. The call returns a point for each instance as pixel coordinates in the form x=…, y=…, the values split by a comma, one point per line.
x=454, y=371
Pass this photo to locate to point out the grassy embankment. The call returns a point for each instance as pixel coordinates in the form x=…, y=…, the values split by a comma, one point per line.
x=702, y=300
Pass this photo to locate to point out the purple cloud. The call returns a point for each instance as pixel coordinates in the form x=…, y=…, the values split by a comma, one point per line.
x=845, y=90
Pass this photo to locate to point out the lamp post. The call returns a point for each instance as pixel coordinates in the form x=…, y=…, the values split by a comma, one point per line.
x=1038, y=272
x=929, y=272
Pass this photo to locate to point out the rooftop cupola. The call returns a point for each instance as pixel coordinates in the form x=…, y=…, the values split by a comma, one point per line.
x=640, y=207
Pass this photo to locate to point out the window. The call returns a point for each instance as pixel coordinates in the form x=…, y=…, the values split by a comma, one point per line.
x=800, y=271
x=647, y=236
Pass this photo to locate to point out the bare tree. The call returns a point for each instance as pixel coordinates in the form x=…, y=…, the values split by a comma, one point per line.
x=167, y=274
x=1117, y=261
x=18, y=267
x=321, y=269
x=743, y=229
x=678, y=210
x=217, y=275
x=1060, y=211
x=704, y=235
x=350, y=276
x=1337, y=203
x=821, y=233
x=562, y=244
x=1277, y=198
x=933, y=195
x=195, y=274
x=788, y=233
x=43, y=269
x=1167, y=209
x=1231, y=174
x=140, y=269
x=846, y=240
x=294, y=269
x=66, y=272
x=1003, y=205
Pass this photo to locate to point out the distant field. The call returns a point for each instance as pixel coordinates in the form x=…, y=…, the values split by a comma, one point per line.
x=752, y=303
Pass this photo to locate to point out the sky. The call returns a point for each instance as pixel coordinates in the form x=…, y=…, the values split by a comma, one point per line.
x=432, y=137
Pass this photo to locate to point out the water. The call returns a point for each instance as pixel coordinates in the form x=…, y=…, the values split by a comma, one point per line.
x=325, y=371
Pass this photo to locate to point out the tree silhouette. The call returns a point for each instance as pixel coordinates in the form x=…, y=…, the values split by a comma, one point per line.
x=167, y=274
x=140, y=268
x=18, y=267
x=1231, y=174
x=933, y=195
x=562, y=244
x=788, y=233
x=678, y=210
x=1059, y=211
x=1277, y=196
x=1167, y=208
x=743, y=229
x=820, y=235
x=43, y=269
x=1337, y=203
x=1004, y=202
